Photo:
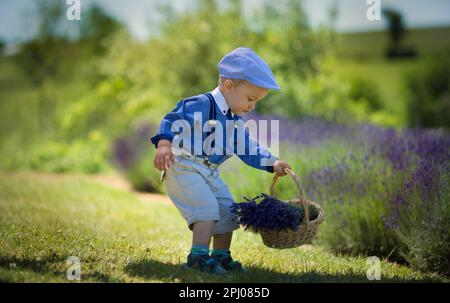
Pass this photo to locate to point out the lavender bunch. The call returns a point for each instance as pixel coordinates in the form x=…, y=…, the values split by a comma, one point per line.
x=269, y=214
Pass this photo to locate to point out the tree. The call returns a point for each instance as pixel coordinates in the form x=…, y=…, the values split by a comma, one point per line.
x=97, y=26
x=51, y=54
x=396, y=32
x=428, y=89
x=396, y=27
x=2, y=46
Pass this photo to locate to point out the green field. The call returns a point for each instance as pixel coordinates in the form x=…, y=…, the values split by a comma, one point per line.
x=369, y=45
x=362, y=55
x=46, y=218
x=386, y=76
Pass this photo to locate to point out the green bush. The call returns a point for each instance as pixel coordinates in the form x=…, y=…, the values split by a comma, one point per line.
x=389, y=204
x=425, y=234
x=365, y=91
x=331, y=97
x=182, y=60
x=428, y=90
x=89, y=155
x=133, y=155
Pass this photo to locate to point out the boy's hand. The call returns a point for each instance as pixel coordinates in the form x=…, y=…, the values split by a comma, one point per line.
x=279, y=167
x=164, y=156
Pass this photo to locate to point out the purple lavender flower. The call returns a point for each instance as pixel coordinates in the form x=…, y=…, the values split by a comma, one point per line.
x=269, y=214
x=126, y=150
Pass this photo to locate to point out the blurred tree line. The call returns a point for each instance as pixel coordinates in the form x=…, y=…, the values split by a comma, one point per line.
x=103, y=83
x=57, y=69
x=53, y=54
x=147, y=79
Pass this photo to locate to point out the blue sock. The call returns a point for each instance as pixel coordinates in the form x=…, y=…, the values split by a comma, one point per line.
x=220, y=252
x=198, y=250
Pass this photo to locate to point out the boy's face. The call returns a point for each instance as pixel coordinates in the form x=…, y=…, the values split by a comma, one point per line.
x=242, y=97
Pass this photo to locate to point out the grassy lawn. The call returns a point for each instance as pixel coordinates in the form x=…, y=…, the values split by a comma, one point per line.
x=44, y=219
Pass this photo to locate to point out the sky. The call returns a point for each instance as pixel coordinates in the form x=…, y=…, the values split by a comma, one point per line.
x=18, y=24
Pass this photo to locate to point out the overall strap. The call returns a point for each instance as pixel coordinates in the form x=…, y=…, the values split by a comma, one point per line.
x=212, y=112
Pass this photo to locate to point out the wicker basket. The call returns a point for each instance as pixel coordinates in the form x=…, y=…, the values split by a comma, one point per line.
x=307, y=230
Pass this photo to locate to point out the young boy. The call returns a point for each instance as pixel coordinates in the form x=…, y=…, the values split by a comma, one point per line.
x=191, y=177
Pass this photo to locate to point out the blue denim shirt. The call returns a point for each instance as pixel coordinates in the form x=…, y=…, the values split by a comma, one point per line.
x=255, y=155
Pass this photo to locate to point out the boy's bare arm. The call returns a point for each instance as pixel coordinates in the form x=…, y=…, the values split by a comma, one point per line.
x=164, y=157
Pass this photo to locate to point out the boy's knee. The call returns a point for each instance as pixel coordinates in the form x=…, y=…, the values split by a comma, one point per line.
x=209, y=223
x=223, y=227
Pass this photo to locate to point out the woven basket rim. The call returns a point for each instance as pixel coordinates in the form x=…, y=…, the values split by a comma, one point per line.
x=320, y=216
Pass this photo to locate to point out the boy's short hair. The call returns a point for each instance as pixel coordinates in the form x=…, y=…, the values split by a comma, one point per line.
x=236, y=82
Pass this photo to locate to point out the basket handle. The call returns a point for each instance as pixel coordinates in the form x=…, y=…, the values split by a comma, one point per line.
x=300, y=194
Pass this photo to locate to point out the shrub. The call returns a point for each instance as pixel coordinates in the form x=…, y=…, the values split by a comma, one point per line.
x=82, y=155
x=133, y=155
x=362, y=90
x=428, y=91
x=390, y=198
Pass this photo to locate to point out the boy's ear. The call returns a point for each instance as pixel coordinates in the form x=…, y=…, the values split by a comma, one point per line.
x=228, y=85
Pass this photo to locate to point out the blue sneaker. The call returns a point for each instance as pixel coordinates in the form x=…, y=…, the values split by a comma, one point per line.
x=204, y=263
x=227, y=262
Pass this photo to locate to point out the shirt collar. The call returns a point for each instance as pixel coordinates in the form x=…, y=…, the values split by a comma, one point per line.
x=221, y=102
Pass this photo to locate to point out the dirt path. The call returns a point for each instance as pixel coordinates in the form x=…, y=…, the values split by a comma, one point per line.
x=118, y=182
x=114, y=181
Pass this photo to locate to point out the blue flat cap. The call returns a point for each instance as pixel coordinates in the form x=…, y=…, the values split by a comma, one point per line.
x=244, y=63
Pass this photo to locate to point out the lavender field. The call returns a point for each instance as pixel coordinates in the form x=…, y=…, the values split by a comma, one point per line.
x=385, y=191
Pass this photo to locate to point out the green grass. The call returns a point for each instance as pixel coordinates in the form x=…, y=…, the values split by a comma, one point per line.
x=44, y=219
